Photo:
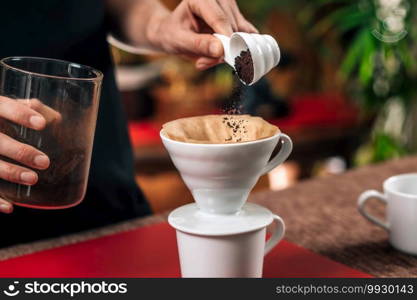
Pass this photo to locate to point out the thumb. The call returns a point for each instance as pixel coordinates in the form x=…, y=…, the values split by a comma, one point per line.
x=201, y=45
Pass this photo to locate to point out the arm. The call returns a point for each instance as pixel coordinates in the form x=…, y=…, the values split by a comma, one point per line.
x=131, y=18
x=186, y=31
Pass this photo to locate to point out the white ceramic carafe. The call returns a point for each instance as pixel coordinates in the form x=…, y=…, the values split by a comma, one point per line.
x=212, y=245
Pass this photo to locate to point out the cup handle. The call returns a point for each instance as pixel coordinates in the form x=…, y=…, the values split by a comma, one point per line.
x=281, y=156
x=363, y=198
x=277, y=234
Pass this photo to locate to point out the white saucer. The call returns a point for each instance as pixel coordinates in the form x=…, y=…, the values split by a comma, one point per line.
x=190, y=219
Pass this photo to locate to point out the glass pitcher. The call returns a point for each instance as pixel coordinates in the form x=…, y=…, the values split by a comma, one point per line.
x=67, y=95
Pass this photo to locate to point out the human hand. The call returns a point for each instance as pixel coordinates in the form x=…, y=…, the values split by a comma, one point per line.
x=187, y=31
x=32, y=114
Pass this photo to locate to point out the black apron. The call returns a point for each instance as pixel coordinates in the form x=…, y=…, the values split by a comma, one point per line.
x=75, y=30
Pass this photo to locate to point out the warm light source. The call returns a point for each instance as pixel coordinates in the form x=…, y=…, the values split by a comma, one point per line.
x=283, y=176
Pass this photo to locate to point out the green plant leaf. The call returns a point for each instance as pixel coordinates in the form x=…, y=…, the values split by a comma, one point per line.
x=353, y=55
x=406, y=55
x=343, y=18
x=366, y=67
x=354, y=20
x=386, y=147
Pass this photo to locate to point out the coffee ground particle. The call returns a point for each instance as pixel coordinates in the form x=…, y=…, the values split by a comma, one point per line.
x=237, y=126
x=244, y=66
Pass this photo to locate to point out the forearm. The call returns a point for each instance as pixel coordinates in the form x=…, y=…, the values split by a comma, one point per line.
x=136, y=21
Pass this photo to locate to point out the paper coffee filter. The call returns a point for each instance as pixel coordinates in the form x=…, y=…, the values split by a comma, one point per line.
x=219, y=129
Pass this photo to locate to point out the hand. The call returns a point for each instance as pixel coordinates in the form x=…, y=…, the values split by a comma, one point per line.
x=31, y=114
x=188, y=29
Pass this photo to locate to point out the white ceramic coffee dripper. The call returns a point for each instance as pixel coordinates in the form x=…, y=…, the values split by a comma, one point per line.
x=221, y=235
x=220, y=176
x=264, y=50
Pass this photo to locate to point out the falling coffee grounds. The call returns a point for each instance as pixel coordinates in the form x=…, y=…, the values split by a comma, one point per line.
x=244, y=66
x=244, y=70
x=233, y=104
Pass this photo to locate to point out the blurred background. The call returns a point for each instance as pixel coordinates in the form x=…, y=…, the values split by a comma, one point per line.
x=345, y=91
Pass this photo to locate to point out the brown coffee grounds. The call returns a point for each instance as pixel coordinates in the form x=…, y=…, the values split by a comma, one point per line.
x=244, y=71
x=233, y=104
x=244, y=66
x=238, y=127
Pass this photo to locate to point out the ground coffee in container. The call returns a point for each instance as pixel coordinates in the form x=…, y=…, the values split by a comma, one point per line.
x=244, y=66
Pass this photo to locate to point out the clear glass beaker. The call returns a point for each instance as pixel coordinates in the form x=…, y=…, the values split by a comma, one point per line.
x=67, y=95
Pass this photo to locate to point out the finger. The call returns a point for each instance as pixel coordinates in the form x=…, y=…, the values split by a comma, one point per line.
x=204, y=63
x=23, y=153
x=188, y=57
x=211, y=12
x=247, y=27
x=15, y=111
x=195, y=44
x=243, y=24
x=227, y=8
x=17, y=174
x=48, y=113
x=5, y=207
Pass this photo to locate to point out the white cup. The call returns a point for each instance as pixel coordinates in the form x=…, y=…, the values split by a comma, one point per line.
x=218, y=254
x=220, y=176
x=264, y=50
x=400, y=195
